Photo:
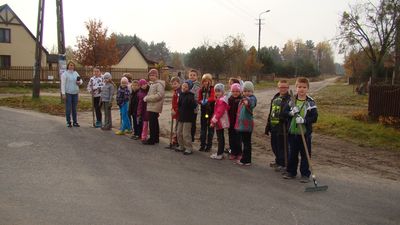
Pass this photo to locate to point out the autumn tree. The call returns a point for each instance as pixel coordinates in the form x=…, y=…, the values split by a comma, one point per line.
x=370, y=28
x=97, y=49
x=252, y=64
x=356, y=65
x=176, y=61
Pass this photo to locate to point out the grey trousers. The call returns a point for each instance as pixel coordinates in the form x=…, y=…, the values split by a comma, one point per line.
x=107, y=115
x=185, y=136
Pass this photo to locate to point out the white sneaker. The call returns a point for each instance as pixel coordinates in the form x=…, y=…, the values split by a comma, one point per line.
x=215, y=156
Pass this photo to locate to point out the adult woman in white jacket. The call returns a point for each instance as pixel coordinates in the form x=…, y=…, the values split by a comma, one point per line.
x=70, y=81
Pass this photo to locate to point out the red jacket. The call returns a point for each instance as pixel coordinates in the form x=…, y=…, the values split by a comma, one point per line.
x=210, y=95
x=175, y=98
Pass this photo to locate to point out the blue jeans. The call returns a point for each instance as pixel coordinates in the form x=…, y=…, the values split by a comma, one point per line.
x=71, y=102
x=125, y=121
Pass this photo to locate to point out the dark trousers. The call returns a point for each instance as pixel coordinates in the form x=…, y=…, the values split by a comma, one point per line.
x=154, y=127
x=278, y=147
x=246, y=141
x=137, y=125
x=193, y=129
x=296, y=146
x=221, y=141
x=97, y=108
x=234, y=142
x=206, y=132
x=71, y=103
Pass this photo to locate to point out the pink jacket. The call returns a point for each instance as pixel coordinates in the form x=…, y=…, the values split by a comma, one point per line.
x=220, y=118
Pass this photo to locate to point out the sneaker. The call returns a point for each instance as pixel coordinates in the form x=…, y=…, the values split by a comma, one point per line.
x=120, y=132
x=280, y=169
x=304, y=179
x=127, y=131
x=69, y=125
x=243, y=164
x=76, y=125
x=179, y=149
x=216, y=156
x=187, y=152
x=288, y=176
x=227, y=150
x=232, y=157
x=97, y=124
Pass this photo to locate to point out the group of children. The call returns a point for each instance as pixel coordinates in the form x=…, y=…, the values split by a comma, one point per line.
x=140, y=103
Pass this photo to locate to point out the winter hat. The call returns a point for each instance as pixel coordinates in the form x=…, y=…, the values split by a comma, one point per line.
x=219, y=87
x=248, y=86
x=142, y=82
x=124, y=80
x=205, y=77
x=153, y=71
x=235, y=87
x=107, y=76
x=189, y=83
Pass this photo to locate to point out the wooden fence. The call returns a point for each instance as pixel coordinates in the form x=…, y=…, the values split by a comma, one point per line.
x=384, y=101
x=25, y=74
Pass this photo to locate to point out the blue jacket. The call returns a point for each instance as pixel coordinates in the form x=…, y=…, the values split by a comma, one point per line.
x=310, y=113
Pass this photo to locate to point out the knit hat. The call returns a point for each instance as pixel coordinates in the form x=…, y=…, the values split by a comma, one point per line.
x=235, y=87
x=206, y=76
x=153, y=71
x=124, y=80
x=107, y=76
x=189, y=83
x=219, y=87
x=142, y=82
x=248, y=86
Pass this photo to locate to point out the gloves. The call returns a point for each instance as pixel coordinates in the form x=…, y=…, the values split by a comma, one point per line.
x=300, y=120
x=173, y=113
x=204, y=102
x=145, y=99
x=294, y=111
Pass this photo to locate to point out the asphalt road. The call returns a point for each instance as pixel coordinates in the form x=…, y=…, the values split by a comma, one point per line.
x=50, y=174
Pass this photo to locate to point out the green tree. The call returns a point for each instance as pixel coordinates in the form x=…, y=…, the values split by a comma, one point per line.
x=370, y=28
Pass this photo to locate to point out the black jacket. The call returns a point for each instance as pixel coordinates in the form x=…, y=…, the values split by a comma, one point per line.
x=233, y=108
x=186, y=106
x=133, y=103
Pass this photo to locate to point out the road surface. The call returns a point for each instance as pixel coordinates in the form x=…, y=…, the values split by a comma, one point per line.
x=50, y=174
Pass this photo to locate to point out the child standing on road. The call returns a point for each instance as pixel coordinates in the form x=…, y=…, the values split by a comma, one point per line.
x=207, y=100
x=302, y=113
x=244, y=121
x=176, y=87
x=155, y=101
x=193, y=76
x=94, y=87
x=277, y=125
x=142, y=109
x=220, y=119
x=186, y=105
x=133, y=106
x=234, y=137
x=123, y=95
x=106, y=94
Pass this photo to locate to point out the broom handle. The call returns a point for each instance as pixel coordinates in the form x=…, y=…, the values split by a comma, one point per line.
x=306, y=149
x=285, y=147
x=172, y=127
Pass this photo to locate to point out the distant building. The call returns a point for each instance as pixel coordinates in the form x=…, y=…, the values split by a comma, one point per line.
x=17, y=43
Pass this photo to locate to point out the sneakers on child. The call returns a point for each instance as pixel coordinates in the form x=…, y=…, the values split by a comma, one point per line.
x=76, y=125
x=120, y=132
x=69, y=125
x=288, y=176
x=232, y=157
x=304, y=179
x=97, y=124
x=216, y=156
x=280, y=169
x=187, y=152
x=126, y=131
x=243, y=164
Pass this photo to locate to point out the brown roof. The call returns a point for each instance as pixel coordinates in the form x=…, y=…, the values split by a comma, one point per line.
x=125, y=48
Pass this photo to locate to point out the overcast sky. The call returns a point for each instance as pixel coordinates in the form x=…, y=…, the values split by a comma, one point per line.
x=184, y=24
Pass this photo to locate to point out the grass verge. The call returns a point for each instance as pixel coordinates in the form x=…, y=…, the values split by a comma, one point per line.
x=338, y=107
x=45, y=104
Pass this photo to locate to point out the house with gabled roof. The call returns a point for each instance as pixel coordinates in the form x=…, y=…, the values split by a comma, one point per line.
x=17, y=43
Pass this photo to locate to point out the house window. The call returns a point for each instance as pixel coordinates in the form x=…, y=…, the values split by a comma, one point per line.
x=5, y=61
x=5, y=35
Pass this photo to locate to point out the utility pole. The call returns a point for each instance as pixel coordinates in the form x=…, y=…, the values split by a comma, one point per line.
x=259, y=29
x=60, y=27
x=38, y=51
x=396, y=72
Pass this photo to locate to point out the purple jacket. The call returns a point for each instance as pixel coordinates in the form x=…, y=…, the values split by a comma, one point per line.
x=142, y=106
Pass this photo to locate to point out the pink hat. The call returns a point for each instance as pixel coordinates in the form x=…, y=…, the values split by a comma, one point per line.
x=124, y=80
x=153, y=71
x=142, y=82
x=235, y=87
